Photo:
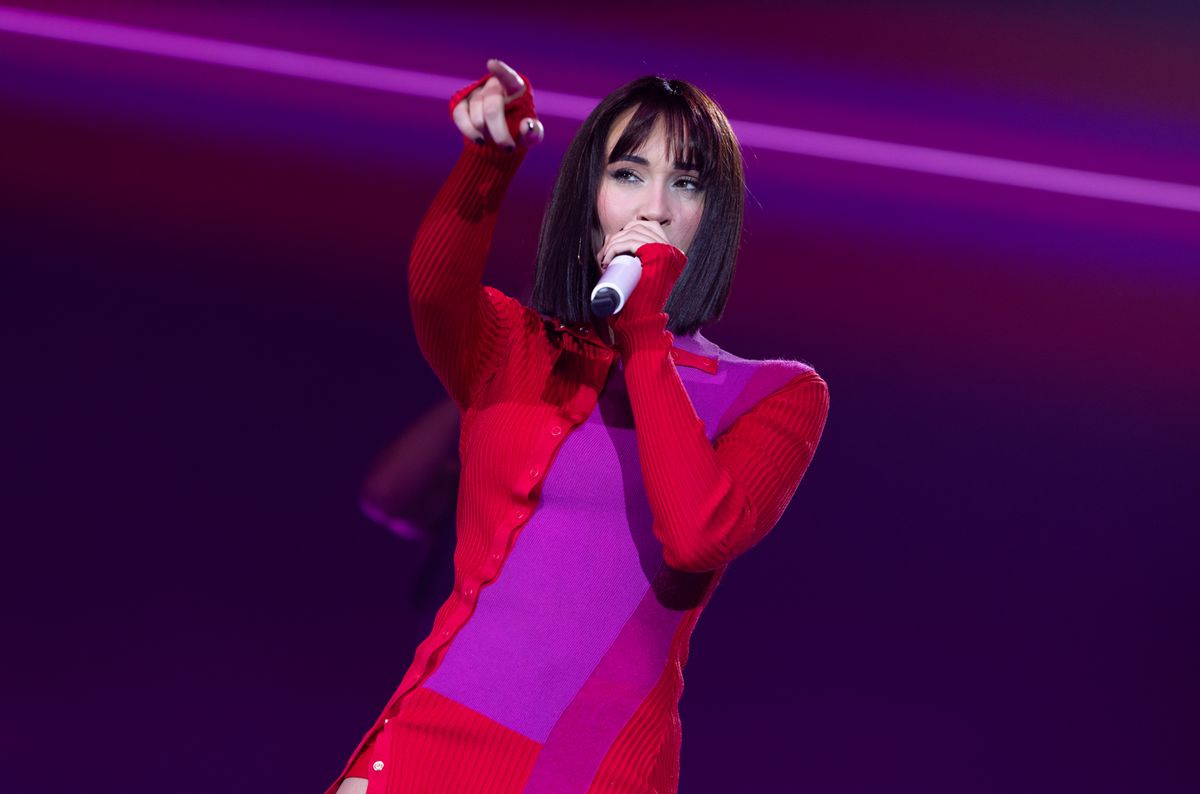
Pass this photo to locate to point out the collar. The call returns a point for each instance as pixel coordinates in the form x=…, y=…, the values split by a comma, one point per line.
x=690, y=350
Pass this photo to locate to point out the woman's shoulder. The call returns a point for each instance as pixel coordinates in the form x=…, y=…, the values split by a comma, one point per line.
x=517, y=316
x=781, y=366
x=780, y=385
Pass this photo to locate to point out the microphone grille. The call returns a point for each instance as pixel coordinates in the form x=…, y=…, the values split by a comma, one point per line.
x=605, y=302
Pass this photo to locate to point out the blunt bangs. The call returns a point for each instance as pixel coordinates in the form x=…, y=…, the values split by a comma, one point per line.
x=689, y=138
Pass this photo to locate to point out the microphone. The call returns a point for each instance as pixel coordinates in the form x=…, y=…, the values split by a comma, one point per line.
x=616, y=284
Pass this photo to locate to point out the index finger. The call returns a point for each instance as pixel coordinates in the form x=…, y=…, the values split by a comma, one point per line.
x=514, y=86
x=654, y=228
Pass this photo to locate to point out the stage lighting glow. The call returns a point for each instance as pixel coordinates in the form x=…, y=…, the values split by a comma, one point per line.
x=810, y=143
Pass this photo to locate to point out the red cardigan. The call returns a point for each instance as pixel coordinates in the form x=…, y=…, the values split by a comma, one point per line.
x=711, y=498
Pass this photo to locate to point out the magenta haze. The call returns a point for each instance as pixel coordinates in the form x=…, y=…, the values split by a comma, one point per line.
x=988, y=582
x=407, y=82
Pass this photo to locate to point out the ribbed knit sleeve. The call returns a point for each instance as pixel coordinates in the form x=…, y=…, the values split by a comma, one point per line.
x=714, y=500
x=462, y=327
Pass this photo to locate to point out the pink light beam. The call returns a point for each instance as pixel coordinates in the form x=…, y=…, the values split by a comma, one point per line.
x=809, y=143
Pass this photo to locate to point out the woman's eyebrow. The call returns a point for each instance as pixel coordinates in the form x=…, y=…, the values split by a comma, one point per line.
x=633, y=158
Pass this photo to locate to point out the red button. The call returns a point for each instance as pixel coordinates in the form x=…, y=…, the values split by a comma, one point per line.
x=556, y=431
x=533, y=473
x=674, y=354
x=520, y=514
x=495, y=555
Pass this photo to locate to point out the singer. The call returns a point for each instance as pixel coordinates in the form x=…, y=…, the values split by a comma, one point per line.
x=611, y=469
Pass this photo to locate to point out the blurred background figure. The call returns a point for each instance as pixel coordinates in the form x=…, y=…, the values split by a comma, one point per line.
x=411, y=490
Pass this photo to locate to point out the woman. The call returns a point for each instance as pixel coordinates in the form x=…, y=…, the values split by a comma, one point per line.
x=610, y=469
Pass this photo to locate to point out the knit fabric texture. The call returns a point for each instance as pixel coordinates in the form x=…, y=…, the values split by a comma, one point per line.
x=606, y=485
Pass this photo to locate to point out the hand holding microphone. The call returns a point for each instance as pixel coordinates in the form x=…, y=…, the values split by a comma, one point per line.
x=655, y=267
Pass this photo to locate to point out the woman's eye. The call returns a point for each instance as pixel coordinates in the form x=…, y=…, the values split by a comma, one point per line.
x=625, y=175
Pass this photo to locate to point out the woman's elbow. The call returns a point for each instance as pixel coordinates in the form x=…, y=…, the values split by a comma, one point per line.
x=717, y=544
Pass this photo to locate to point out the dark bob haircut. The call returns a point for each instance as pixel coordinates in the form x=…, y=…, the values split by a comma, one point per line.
x=697, y=132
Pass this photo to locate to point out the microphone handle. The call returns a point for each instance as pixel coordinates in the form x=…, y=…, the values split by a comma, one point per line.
x=616, y=284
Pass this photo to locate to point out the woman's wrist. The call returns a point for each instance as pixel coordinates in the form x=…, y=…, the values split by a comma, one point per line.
x=481, y=178
x=492, y=154
x=647, y=333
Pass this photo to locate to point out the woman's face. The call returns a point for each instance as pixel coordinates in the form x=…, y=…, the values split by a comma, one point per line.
x=642, y=185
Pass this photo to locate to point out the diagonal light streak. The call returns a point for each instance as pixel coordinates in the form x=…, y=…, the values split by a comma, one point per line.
x=998, y=170
x=810, y=143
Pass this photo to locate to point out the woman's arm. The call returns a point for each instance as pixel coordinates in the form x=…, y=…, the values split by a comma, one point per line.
x=712, y=500
x=461, y=326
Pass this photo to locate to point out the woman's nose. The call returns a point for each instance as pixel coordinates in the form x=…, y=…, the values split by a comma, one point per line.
x=657, y=208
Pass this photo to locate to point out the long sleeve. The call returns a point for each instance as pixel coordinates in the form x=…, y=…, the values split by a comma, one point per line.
x=714, y=500
x=462, y=327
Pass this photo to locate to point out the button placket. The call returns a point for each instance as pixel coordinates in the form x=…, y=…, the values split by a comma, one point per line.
x=543, y=452
x=380, y=745
x=535, y=469
x=570, y=415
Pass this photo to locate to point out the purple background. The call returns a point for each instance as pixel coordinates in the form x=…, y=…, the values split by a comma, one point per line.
x=987, y=581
